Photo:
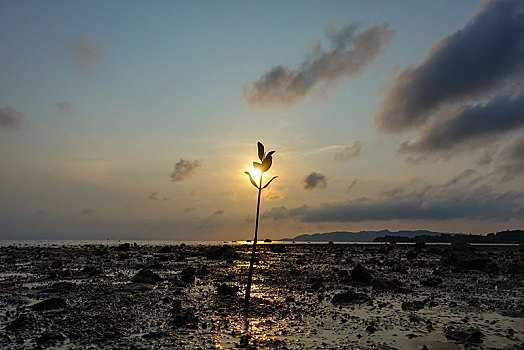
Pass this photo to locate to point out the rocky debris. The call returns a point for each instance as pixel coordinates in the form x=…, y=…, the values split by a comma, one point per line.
x=60, y=288
x=182, y=317
x=277, y=248
x=414, y=305
x=50, y=304
x=350, y=297
x=224, y=289
x=361, y=274
x=433, y=281
x=222, y=253
x=470, y=335
x=147, y=277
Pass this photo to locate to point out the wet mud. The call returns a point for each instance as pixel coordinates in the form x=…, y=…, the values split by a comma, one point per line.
x=321, y=296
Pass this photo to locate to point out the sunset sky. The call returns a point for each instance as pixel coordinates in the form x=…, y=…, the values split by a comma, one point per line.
x=137, y=119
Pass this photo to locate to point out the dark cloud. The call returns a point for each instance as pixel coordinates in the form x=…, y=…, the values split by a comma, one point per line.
x=218, y=212
x=351, y=52
x=10, y=118
x=472, y=64
x=352, y=185
x=184, y=169
x=511, y=160
x=314, y=180
x=85, y=54
x=470, y=125
x=42, y=212
x=349, y=152
x=282, y=212
x=63, y=107
x=88, y=211
x=462, y=197
x=154, y=196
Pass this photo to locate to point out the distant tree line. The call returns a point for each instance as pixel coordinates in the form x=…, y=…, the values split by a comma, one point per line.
x=515, y=236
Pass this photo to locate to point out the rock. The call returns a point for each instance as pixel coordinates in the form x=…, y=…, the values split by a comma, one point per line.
x=56, y=264
x=361, y=274
x=460, y=246
x=224, y=289
x=420, y=245
x=221, y=253
x=431, y=281
x=350, y=297
x=147, y=277
x=277, y=248
x=50, y=338
x=188, y=275
x=515, y=269
x=123, y=247
x=50, y=304
x=382, y=284
x=202, y=271
x=181, y=317
x=165, y=249
x=414, y=305
x=18, y=323
x=470, y=335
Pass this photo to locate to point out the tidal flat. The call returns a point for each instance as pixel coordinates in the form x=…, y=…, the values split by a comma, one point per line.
x=317, y=296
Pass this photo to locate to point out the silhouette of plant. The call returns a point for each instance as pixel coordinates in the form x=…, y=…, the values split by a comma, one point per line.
x=266, y=162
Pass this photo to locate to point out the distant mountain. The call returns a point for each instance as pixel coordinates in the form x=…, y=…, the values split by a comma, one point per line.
x=514, y=237
x=362, y=236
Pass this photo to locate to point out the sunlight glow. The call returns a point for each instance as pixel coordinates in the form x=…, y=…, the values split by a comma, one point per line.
x=255, y=173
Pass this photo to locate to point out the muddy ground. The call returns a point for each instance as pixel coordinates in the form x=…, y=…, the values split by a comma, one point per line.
x=333, y=296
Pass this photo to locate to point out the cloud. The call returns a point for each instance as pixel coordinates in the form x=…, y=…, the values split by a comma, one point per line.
x=349, y=55
x=184, y=169
x=314, y=180
x=459, y=198
x=351, y=185
x=10, y=118
x=511, y=160
x=282, y=212
x=218, y=212
x=85, y=54
x=470, y=125
x=482, y=60
x=88, y=211
x=154, y=196
x=42, y=212
x=64, y=107
x=349, y=152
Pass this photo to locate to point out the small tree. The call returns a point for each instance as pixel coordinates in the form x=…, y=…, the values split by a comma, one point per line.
x=266, y=161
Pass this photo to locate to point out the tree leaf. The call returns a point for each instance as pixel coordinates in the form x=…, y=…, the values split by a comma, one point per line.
x=251, y=178
x=266, y=163
x=260, y=151
x=274, y=177
x=257, y=166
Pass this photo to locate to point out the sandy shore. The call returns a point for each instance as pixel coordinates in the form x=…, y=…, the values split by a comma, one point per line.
x=304, y=296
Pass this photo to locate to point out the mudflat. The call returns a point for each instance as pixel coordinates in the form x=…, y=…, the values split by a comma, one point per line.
x=333, y=296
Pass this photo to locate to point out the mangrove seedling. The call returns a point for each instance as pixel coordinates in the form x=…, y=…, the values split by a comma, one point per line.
x=266, y=161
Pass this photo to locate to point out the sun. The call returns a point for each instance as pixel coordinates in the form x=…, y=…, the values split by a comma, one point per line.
x=255, y=173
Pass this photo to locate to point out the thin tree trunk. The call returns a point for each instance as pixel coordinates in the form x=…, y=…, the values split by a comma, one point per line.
x=250, y=275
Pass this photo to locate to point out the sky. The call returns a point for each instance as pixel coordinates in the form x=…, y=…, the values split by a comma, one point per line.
x=137, y=119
